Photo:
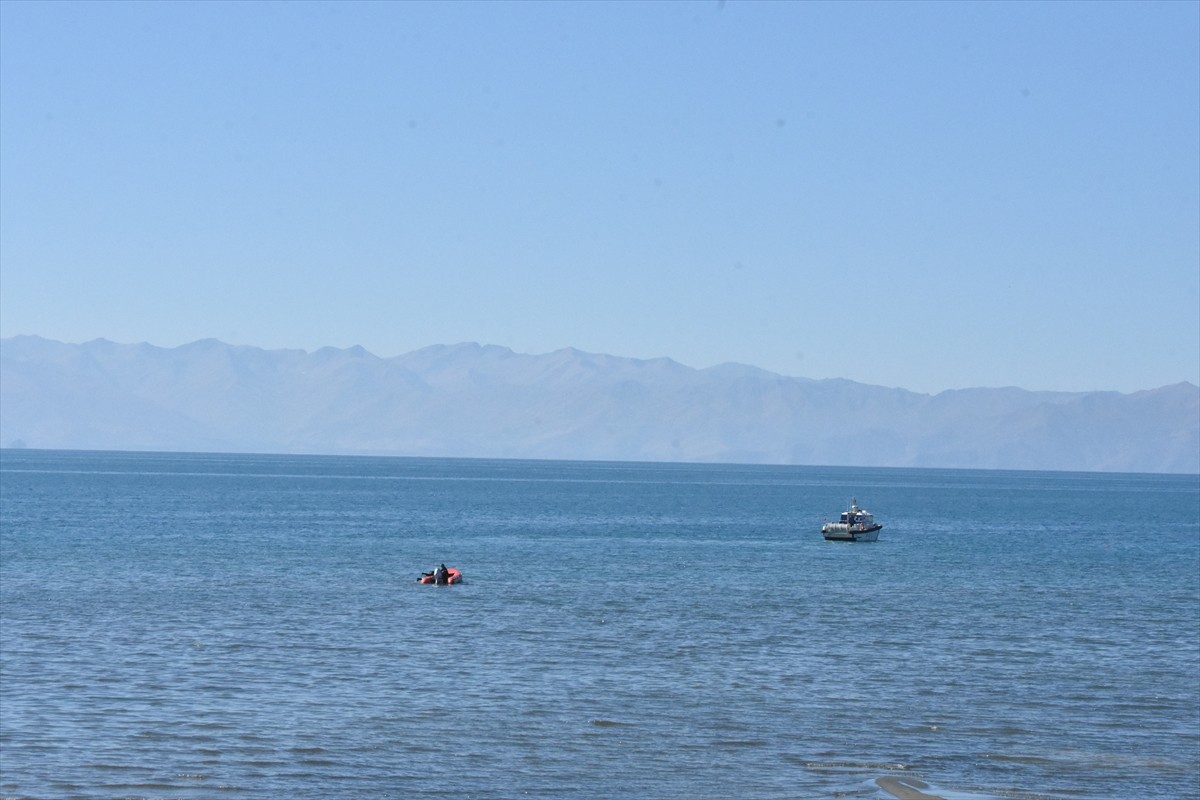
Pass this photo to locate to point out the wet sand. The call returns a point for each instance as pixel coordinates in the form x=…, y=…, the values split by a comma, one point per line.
x=905, y=788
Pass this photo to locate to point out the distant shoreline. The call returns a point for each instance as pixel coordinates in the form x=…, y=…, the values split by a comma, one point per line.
x=849, y=468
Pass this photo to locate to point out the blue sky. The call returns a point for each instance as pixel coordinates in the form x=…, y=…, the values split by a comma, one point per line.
x=925, y=195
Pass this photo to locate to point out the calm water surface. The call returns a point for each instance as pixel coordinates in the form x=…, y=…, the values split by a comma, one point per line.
x=197, y=626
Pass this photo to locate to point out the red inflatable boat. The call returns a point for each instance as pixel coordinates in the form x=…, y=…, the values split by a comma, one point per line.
x=453, y=576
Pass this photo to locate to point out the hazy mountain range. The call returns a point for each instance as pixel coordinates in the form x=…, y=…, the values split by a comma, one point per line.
x=487, y=401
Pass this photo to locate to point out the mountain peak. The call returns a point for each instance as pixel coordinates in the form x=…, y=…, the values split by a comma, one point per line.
x=479, y=400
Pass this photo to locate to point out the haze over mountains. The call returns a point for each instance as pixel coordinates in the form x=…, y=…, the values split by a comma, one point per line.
x=487, y=401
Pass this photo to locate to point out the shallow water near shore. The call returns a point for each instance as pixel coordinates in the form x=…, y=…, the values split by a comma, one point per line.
x=191, y=626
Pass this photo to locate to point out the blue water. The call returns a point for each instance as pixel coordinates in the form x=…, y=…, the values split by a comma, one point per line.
x=198, y=626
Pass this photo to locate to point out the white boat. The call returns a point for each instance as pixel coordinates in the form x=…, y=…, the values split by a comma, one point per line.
x=856, y=525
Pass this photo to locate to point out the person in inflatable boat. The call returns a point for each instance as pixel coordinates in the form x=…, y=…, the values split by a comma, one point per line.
x=441, y=575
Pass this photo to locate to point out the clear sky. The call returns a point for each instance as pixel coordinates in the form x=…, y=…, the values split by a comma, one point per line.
x=926, y=195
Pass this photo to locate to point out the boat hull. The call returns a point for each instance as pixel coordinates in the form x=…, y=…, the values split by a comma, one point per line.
x=841, y=533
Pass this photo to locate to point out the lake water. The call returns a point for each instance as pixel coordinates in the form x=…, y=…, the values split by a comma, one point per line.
x=236, y=626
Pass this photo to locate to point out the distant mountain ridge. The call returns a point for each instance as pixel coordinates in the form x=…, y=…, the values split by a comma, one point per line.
x=488, y=401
